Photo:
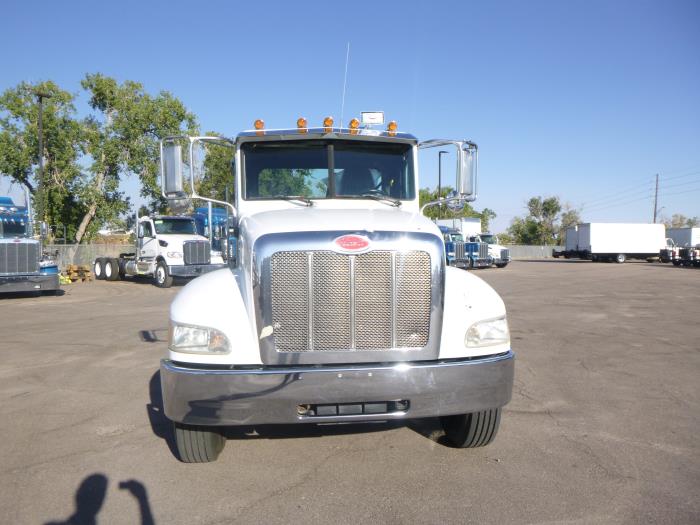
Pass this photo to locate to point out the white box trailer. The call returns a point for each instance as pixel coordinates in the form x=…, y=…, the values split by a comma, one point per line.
x=571, y=238
x=467, y=225
x=684, y=236
x=619, y=241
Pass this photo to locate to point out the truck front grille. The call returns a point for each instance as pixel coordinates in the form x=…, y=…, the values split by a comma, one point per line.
x=19, y=257
x=196, y=252
x=505, y=254
x=326, y=301
x=483, y=250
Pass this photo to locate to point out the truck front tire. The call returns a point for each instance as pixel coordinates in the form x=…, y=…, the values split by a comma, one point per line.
x=473, y=430
x=162, y=275
x=620, y=258
x=197, y=444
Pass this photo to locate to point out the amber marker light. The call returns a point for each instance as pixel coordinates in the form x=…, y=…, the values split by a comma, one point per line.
x=354, y=125
x=328, y=124
x=259, y=124
x=302, y=125
x=392, y=127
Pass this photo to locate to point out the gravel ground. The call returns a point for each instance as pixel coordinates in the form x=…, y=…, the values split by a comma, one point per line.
x=603, y=426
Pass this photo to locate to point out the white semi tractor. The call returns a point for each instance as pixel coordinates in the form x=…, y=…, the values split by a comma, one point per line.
x=339, y=306
x=166, y=247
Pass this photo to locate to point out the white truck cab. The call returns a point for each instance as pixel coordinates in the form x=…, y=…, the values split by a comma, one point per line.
x=167, y=246
x=499, y=253
x=339, y=306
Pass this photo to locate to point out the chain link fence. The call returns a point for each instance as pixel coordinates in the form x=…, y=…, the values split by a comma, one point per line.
x=85, y=253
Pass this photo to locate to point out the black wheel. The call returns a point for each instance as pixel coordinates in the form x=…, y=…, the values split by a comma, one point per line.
x=163, y=277
x=501, y=265
x=676, y=262
x=477, y=429
x=620, y=258
x=99, y=268
x=111, y=269
x=196, y=444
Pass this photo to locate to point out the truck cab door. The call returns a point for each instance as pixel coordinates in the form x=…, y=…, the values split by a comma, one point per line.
x=148, y=244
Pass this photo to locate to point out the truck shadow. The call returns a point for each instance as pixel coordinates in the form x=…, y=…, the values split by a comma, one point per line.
x=31, y=295
x=160, y=425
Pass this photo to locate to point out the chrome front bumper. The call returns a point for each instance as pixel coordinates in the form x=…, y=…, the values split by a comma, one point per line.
x=193, y=270
x=265, y=395
x=29, y=283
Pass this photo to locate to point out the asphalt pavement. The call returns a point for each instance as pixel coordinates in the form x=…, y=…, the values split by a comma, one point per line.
x=603, y=426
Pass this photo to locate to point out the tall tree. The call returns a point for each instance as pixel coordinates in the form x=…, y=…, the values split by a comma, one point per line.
x=122, y=139
x=63, y=144
x=678, y=220
x=543, y=224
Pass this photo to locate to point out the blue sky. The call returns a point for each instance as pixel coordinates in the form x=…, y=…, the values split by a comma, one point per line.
x=586, y=100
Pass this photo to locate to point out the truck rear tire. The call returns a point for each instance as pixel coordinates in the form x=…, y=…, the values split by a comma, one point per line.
x=473, y=430
x=111, y=269
x=620, y=258
x=501, y=265
x=197, y=444
x=99, y=268
x=162, y=276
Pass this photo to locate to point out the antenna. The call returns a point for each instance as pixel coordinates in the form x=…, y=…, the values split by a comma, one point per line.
x=345, y=83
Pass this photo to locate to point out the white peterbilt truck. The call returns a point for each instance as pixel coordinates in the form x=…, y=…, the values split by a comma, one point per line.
x=166, y=247
x=339, y=306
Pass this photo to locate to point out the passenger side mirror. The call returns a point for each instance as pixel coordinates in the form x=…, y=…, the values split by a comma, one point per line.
x=467, y=171
x=140, y=231
x=43, y=230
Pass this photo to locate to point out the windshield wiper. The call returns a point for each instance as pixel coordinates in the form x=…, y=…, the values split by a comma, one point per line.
x=381, y=197
x=297, y=199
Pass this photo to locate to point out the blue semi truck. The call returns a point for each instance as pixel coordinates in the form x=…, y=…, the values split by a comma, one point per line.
x=464, y=254
x=24, y=266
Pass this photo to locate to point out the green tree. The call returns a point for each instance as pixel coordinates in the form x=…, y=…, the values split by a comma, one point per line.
x=122, y=139
x=217, y=168
x=569, y=217
x=63, y=146
x=543, y=224
x=678, y=220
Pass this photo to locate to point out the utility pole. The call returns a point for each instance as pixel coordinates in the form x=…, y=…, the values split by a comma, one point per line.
x=40, y=183
x=656, y=196
x=440, y=154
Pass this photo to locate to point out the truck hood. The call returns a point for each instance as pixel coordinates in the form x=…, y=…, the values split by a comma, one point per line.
x=175, y=241
x=310, y=219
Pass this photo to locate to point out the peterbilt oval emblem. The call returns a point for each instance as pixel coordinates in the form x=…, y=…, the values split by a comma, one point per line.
x=352, y=243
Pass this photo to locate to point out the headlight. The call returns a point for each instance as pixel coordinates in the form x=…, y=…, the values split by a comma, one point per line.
x=487, y=333
x=197, y=339
x=174, y=255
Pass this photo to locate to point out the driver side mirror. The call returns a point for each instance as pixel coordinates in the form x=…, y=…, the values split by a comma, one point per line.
x=43, y=230
x=140, y=232
x=467, y=171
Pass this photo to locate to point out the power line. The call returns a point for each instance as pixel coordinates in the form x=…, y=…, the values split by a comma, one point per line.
x=681, y=184
x=619, y=204
x=697, y=173
x=619, y=197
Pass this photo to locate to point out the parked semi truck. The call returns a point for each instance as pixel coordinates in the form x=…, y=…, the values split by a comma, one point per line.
x=614, y=242
x=500, y=255
x=340, y=306
x=464, y=254
x=166, y=247
x=24, y=265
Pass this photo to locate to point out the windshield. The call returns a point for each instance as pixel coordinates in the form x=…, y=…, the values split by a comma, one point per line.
x=12, y=228
x=319, y=169
x=175, y=226
x=489, y=239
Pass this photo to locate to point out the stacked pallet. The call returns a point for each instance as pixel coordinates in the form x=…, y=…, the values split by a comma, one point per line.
x=78, y=272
